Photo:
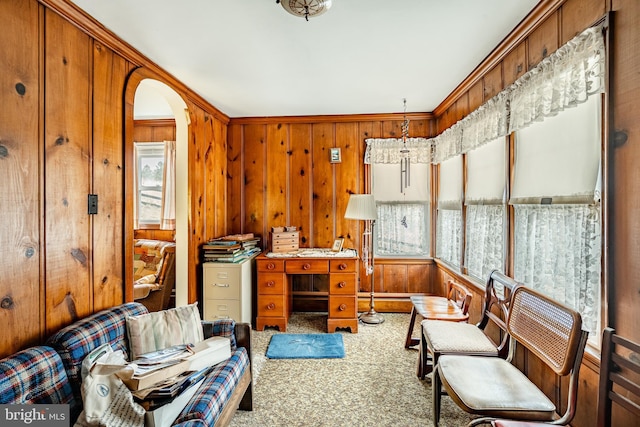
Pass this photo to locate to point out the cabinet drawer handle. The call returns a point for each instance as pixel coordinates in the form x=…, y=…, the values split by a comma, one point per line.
x=270, y=284
x=342, y=266
x=271, y=306
x=342, y=307
x=221, y=285
x=306, y=266
x=271, y=266
x=342, y=284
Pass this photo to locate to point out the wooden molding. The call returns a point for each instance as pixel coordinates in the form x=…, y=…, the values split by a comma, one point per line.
x=329, y=118
x=155, y=122
x=102, y=35
x=538, y=15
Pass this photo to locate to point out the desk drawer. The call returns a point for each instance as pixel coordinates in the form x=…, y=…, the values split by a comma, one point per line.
x=221, y=309
x=343, y=265
x=342, y=307
x=307, y=266
x=271, y=283
x=273, y=265
x=271, y=306
x=342, y=284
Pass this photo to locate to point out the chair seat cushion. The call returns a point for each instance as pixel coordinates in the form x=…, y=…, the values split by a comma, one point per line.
x=493, y=387
x=444, y=337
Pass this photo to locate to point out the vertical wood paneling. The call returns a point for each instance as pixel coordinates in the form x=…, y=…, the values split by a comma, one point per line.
x=514, y=64
x=543, y=41
x=476, y=95
x=323, y=191
x=208, y=147
x=109, y=76
x=395, y=278
x=493, y=82
x=198, y=198
x=67, y=173
x=417, y=279
x=300, y=181
x=578, y=13
x=220, y=153
x=20, y=254
x=254, y=180
x=277, y=164
x=235, y=179
x=347, y=174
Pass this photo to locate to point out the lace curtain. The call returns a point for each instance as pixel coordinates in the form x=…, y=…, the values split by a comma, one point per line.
x=387, y=150
x=558, y=252
x=449, y=236
x=564, y=79
x=402, y=228
x=484, y=250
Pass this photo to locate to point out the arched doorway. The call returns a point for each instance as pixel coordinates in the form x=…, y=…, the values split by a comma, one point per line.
x=178, y=107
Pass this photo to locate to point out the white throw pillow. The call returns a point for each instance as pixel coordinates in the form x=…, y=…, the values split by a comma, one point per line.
x=162, y=329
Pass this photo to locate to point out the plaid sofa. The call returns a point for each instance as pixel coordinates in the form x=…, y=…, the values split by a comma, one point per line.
x=51, y=373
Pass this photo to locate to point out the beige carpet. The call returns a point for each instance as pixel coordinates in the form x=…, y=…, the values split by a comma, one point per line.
x=374, y=385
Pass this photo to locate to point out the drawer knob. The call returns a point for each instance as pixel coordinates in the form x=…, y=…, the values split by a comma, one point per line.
x=342, y=284
x=306, y=266
x=271, y=266
x=342, y=307
x=342, y=266
x=271, y=306
x=271, y=284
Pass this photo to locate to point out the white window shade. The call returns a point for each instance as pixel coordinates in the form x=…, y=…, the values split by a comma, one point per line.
x=486, y=173
x=386, y=182
x=450, y=183
x=559, y=158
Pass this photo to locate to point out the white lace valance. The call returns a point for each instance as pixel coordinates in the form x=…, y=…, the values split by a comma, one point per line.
x=564, y=79
x=387, y=150
x=488, y=122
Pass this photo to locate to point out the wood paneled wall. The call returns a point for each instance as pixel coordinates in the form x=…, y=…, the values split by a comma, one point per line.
x=62, y=126
x=279, y=174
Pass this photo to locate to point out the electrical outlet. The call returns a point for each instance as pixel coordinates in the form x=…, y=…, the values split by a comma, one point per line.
x=93, y=204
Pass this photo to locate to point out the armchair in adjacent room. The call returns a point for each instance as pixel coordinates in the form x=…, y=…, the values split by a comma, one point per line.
x=154, y=273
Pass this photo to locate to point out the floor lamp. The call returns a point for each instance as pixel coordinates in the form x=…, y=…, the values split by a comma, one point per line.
x=363, y=207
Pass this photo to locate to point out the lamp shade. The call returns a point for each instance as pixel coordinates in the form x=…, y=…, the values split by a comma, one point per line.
x=361, y=206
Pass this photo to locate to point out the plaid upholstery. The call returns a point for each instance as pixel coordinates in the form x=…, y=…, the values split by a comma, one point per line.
x=221, y=328
x=34, y=375
x=205, y=406
x=77, y=340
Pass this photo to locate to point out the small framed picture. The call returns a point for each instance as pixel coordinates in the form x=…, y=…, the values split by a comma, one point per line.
x=334, y=155
x=337, y=245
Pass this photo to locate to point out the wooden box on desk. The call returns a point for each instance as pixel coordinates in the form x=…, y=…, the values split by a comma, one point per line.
x=285, y=241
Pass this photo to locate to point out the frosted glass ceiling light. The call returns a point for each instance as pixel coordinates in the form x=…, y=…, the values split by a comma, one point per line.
x=306, y=8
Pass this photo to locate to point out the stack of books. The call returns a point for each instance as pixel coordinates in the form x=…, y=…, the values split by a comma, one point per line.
x=231, y=248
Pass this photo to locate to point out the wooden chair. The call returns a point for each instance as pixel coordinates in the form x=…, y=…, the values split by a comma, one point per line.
x=452, y=308
x=494, y=388
x=439, y=338
x=619, y=378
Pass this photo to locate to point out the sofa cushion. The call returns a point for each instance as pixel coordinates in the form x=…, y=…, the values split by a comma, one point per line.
x=34, y=375
x=77, y=340
x=162, y=329
x=205, y=406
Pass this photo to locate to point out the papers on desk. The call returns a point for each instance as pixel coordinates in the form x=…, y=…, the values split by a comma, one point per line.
x=314, y=253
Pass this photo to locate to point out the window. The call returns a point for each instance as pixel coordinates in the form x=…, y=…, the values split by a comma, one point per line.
x=402, y=228
x=486, y=209
x=557, y=211
x=449, y=219
x=150, y=167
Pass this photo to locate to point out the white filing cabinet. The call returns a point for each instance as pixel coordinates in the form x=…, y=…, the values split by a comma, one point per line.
x=227, y=290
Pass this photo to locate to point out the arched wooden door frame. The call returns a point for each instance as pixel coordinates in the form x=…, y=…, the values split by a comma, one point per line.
x=184, y=293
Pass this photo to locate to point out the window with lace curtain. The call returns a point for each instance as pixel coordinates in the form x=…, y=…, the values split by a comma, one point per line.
x=154, y=182
x=556, y=198
x=402, y=227
x=449, y=214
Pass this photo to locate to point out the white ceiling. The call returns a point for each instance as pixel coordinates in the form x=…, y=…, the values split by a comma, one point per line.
x=250, y=58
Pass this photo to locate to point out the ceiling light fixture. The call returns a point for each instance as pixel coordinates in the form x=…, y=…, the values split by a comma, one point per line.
x=405, y=153
x=306, y=8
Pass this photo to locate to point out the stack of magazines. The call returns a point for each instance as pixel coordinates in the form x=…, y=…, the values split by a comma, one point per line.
x=231, y=248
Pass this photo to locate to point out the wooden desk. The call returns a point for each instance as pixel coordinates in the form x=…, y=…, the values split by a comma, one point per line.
x=274, y=296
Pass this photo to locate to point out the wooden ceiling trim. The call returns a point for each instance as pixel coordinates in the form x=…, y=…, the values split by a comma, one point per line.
x=538, y=15
x=102, y=35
